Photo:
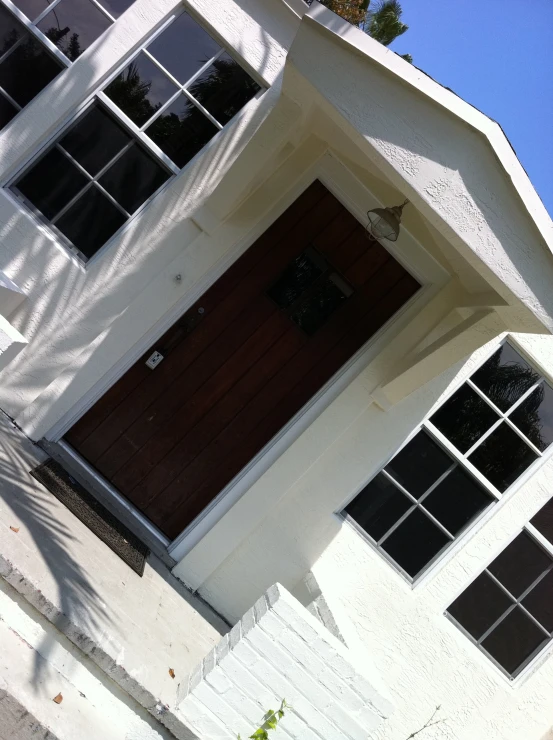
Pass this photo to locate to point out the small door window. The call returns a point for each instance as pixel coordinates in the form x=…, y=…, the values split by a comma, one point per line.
x=309, y=291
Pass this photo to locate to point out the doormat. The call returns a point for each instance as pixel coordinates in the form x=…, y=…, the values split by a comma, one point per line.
x=93, y=514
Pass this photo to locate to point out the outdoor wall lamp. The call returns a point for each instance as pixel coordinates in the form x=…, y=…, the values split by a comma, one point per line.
x=384, y=223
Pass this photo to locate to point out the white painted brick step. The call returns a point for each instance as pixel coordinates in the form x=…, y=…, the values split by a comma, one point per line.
x=279, y=650
x=37, y=663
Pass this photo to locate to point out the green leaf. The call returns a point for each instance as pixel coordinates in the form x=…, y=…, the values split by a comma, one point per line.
x=259, y=734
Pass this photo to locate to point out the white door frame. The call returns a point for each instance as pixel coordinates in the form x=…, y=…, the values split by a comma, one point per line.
x=408, y=251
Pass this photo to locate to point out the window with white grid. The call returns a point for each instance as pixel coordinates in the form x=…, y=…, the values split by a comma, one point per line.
x=40, y=38
x=476, y=445
x=151, y=119
x=508, y=610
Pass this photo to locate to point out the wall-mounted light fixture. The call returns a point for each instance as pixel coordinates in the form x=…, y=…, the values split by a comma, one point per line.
x=385, y=223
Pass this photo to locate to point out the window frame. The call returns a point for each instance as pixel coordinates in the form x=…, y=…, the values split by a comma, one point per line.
x=32, y=28
x=98, y=94
x=460, y=459
x=42, y=39
x=541, y=653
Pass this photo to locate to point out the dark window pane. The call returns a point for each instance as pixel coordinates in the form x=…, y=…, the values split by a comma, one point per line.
x=183, y=48
x=27, y=71
x=7, y=111
x=95, y=140
x=502, y=457
x=133, y=178
x=415, y=542
x=378, y=506
x=520, y=564
x=543, y=520
x=51, y=183
x=457, y=500
x=10, y=30
x=73, y=25
x=464, y=418
x=181, y=131
x=505, y=377
x=90, y=221
x=419, y=464
x=534, y=416
x=31, y=8
x=318, y=306
x=296, y=278
x=514, y=640
x=116, y=7
x=224, y=88
x=480, y=605
x=539, y=602
x=141, y=89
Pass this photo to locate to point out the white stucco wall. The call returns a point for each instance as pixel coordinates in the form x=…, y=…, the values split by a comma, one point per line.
x=70, y=307
x=422, y=658
x=279, y=650
x=80, y=323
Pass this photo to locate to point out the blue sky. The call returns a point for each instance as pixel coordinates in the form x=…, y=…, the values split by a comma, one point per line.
x=498, y=56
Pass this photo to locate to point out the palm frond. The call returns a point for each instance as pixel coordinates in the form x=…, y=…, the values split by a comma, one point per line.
x=383, y=23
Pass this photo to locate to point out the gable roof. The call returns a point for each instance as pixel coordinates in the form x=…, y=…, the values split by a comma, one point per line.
x=359, y=42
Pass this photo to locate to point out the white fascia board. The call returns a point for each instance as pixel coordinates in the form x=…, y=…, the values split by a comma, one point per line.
x=345, y=33
x=437, y=158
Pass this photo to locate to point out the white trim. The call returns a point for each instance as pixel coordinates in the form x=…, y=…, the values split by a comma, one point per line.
x=120, y=501
x=258, y=465
x=546, y=652
x=345, y=34
x=445, y=555
x=49, y=6
x=138, y=134
x=36, y=32
x=540, y=654
x=337, y=178
x=355, y=197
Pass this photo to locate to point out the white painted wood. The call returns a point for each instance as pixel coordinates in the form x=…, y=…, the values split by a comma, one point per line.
x=456, y=344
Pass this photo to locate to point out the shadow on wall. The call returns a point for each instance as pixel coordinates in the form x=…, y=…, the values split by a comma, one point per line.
x=473, y=188
x=318, y=479
x=69, y=306
x=35, y=509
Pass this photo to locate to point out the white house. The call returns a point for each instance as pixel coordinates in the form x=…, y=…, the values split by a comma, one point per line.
x=197, y=325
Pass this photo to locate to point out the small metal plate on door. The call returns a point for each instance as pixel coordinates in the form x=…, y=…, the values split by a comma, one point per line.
x=154, y=359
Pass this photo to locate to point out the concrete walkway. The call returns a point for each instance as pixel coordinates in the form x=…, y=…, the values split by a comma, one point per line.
x=135, y=629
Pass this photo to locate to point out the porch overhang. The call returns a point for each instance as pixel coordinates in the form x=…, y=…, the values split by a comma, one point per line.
x=453, y=163
x=402, y=135
x=458, y=171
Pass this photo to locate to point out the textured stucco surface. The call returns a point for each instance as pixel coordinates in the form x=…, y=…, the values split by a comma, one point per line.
x=418, y=653
x=81, y=323
x=134, y=629
x=37, y=664
x=447, y=168
x=69, y=307
x=279, y=650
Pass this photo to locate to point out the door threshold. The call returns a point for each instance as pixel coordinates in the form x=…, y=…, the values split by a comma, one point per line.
x=110, y=497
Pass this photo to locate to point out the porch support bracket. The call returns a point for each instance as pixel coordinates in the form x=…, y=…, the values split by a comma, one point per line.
x=454, y=345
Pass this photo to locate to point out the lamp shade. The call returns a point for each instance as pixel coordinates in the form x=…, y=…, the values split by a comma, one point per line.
x=384, y=223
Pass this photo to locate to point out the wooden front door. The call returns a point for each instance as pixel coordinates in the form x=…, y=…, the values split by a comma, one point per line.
x=242, y=361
